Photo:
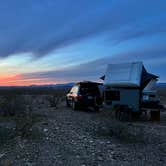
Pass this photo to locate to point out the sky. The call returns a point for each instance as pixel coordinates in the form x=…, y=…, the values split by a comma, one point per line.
x=60, y=41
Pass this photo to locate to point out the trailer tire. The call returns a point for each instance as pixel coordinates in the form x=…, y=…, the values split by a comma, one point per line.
x=116, y=109
x=122, y=112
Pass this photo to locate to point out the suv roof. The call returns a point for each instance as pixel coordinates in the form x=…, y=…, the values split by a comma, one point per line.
x=88, y=83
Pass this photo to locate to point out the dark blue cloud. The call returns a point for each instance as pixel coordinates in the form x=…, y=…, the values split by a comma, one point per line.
x=42, y=26
x=94, y=69
x=39, y=27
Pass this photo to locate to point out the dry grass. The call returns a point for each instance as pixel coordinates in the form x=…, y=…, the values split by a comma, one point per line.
x=23, y=108
x=19, y=110
x=18, y=118
x=126, y=132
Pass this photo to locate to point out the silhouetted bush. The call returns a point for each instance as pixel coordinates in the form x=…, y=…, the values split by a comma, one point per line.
x=6, y=134
x=12, y=104
x=25, y=122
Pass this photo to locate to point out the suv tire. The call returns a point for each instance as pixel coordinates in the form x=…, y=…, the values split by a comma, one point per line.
x=96, y=108
x=74, y=106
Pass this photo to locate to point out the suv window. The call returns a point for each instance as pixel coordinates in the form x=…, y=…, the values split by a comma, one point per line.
x=74, y=89
x=89, y=89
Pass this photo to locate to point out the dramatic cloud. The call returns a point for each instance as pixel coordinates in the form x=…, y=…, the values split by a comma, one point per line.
x=39, y=27
x=122, y=31
x=94, y=69
x=42, y=26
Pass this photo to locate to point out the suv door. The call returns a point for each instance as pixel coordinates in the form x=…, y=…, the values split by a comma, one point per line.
x=73, y=92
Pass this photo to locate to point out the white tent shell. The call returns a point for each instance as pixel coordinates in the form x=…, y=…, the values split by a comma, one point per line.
x=124, y=75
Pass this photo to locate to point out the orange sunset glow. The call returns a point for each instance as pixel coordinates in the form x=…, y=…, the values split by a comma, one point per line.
x=17, y=80
x=42, y=44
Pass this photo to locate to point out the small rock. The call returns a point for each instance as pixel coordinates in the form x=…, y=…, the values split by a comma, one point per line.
x=45, y=123
x=28, y=164
x=18, y=157
x=45, y=130
x=101, y=142
x=6, y=162
x=2, y=154
x=99, y=158
x=59, y=156
x=77, y=156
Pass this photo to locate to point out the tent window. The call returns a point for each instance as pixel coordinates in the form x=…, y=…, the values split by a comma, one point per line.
x=112, y=95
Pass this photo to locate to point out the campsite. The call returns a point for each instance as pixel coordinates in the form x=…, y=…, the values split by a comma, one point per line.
x=56, y=135
x=82, y=83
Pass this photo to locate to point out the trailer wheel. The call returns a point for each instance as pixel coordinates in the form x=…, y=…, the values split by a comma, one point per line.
x=122, y=112
x=121, y=115
x=117, y=111
x=126, y=113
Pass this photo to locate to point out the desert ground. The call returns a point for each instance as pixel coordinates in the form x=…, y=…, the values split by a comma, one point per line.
x=41, y=132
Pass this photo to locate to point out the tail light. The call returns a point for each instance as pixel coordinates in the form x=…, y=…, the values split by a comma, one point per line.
x=99, y=97
x=79, y=97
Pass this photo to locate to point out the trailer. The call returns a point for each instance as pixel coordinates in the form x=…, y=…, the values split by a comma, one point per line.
x=129, y=89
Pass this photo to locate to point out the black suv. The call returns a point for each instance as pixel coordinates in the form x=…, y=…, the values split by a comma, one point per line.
x=85, y=94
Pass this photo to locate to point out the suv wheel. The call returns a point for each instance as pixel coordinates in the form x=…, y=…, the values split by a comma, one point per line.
x=74, y=106
x=96, y=108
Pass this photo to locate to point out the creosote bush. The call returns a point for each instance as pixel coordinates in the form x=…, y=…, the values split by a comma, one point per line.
x=25, y=125
x=23, y=115
x=12, y=104
x=6, y=134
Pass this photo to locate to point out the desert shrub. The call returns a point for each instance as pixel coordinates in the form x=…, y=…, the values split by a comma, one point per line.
x=25, y=122
x=53, y=101
x=12, y=104
x=128, y=132
x=6, y=134
x=24, y=127
x=57, y=98
x=124, y=132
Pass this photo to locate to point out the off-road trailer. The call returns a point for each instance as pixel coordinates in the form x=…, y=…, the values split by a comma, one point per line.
x=130, y=90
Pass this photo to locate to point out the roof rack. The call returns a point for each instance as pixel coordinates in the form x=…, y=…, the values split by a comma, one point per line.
x=88, y=82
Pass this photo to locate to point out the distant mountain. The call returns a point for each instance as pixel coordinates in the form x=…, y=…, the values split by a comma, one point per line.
x=67, y=85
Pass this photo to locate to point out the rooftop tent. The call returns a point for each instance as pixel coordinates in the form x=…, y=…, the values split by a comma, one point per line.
x=146, y=78
x=124, y=74
x=127, y=75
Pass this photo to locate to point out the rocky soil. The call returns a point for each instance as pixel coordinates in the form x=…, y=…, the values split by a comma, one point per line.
x=87, y=138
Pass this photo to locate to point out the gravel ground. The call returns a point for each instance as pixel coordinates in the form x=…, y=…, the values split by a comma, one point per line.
x=85, y=138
